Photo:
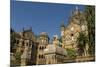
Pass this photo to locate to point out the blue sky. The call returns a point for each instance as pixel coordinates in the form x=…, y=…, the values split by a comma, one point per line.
x=42, y=17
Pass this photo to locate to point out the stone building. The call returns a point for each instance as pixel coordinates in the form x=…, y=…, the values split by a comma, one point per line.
x=55, y=40
x=70, y=32
x=31, y=50
x=43, y=41
x=54, y=54
x=23, y=48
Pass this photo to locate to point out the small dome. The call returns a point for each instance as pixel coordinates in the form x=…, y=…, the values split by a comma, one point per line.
x=43, y=33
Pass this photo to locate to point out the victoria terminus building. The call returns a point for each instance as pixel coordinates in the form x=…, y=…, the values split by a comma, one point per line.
x=75, y=44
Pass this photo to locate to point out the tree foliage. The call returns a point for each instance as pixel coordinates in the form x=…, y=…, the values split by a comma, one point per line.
x=12, y=39
x=18, y=58
x=81, y=40
x=71, y=53
x=90, y=18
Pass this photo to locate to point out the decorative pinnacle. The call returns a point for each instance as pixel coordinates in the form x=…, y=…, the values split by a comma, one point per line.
x=62, y=24
x=76, y=7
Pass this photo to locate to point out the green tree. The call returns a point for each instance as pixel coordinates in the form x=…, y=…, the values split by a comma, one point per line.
x=18, y=58
x=90, y=18
x=81, y=40
x=71, y=53
x=12, y=40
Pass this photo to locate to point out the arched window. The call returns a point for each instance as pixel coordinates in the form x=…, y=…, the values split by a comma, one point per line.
x=17, y=41
x=40, y=48
x=72, y=34
x=39, y=56
x=27, y=44
x=23, y=43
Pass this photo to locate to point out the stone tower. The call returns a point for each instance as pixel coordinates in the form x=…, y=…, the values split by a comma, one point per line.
x=27, y=43
x=43, y=41
x=25, y=48
x=76, y=24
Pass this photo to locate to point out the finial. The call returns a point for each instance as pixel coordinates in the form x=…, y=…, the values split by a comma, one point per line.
x=62, y=24
x=23, y=28
x=76, y=11
x=31, y=28
x=76, y=7
x=55, y=36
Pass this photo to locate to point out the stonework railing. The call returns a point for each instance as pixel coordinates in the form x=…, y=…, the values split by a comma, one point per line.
x=79, y=59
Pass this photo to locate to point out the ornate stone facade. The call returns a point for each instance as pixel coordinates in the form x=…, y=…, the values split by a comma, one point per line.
x=43, y=41
x=70, y=33
x=32, y=50
x=23, y=47
x=54, y=54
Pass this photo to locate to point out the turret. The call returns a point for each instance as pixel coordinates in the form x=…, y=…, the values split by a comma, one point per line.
x=76, y=11
x=43, y=42
x=62, y=29
x=55, y=40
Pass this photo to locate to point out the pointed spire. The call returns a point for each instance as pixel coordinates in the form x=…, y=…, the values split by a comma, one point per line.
x=23, y=28
x=62, y=24
x=71, y=13
x=77, y=8
x=30, y=28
